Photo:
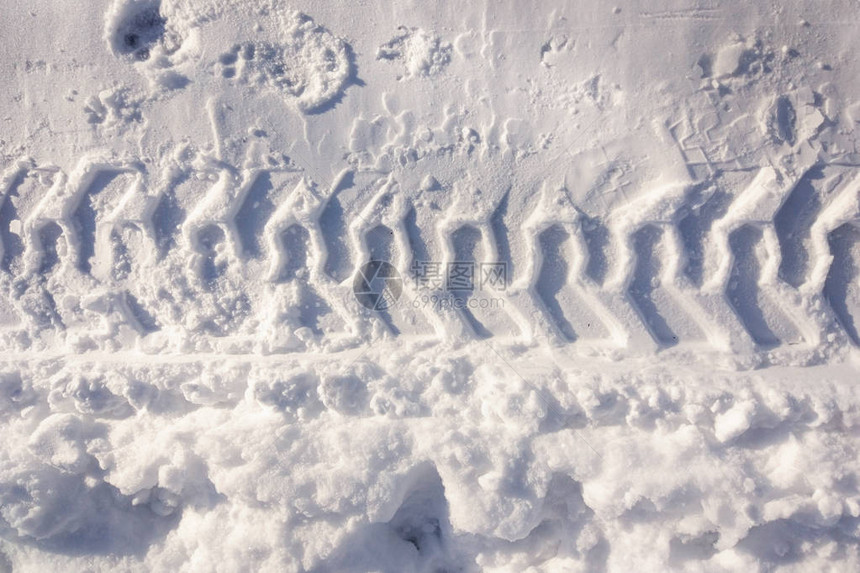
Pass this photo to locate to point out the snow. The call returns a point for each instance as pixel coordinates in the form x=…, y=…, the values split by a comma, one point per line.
x=617, y=329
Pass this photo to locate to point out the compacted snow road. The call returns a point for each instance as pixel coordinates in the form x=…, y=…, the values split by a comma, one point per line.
x=403, y=286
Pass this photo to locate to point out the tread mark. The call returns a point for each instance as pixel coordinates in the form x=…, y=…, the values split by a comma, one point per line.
x=11, y=242
x=296, y=244
x=417, y=244
x=743, y=289
x=380, y=243
x=465, y=241
x=553, y=276
x=332, y=221
x=694, y=229
x=841, y=287
x=101, y=194
x=596, y=236
x=793, y=222
x=211, y=267
x=645, y=281
x=49, y=237
x=501, y=233
x=256, y=209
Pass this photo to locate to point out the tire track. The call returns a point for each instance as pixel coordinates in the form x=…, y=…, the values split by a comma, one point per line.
x=748, y=275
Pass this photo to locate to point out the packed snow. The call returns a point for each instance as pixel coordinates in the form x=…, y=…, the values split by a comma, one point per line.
x=392, y=286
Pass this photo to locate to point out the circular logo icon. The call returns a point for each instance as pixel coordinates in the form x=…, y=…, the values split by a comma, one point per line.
x=377, y=285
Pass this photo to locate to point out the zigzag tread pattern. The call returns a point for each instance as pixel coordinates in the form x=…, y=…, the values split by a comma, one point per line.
x=112, y=254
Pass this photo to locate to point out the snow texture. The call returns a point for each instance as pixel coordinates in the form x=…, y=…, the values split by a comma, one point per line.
x=653, y=365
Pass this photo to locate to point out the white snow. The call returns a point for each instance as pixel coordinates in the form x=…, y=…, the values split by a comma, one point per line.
x=650, y=362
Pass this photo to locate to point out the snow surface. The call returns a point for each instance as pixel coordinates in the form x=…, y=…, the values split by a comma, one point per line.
x=665, y=378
